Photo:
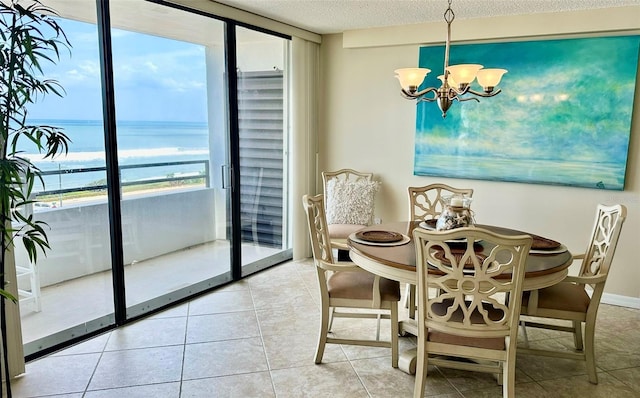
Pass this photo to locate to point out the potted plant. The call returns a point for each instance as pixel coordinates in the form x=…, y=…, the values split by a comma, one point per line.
x=29, y=36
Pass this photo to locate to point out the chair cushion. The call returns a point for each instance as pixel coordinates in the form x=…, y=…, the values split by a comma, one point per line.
x=350, y=202
x=494, y=343
x=342, y=231
x=359, y=285
x=563, y=296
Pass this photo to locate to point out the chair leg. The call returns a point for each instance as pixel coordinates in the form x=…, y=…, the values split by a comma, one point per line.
x=331, y=311
x=577, y=335
x=509, y=371
x=589, y=350
x=324, y=329
x=378, y=318
x=421, y=365
x=412, y=301
x=524, y=333
x=405, y=297
x=394, y=335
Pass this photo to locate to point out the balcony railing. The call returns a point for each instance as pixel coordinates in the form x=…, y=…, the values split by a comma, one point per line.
x=203, y=174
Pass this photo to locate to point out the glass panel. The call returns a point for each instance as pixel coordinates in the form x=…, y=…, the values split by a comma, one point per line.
x=171, y=130
x=262, y=114
x=77, y=270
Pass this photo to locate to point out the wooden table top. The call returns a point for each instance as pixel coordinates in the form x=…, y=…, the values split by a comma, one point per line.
x=403, y=257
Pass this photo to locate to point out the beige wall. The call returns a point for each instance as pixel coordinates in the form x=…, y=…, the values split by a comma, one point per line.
x=365, y=124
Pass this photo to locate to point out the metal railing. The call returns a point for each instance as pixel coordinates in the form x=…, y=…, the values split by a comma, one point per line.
x=101, y=187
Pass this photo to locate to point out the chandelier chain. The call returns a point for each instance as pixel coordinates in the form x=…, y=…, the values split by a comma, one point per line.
x=449, y=16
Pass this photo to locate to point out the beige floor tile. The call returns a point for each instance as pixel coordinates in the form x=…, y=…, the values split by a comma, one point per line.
x=149, y=333
x=334, y=380
x=216, y=327
x=290, y=319
x=544, y=368
x=270, y=297
x=237, y=386
x=293, y=350
x=223, y=358
x=222, y=301
x=362, y=352
x=56, y=375
x=94, y=345
x=164, y=390
x=381, y=380
x=523, y=390
x=630, y=377
x=579, y=386
x=128, y=368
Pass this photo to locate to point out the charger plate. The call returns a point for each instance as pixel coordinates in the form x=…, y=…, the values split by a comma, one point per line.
x=377, y=236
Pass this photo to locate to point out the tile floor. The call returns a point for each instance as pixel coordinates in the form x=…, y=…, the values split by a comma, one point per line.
x=257, y=337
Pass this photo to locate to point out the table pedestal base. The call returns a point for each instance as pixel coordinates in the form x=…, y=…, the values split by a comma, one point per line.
x=407, y=361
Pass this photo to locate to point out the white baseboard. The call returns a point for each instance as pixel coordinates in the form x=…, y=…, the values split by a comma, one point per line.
x=622, y=301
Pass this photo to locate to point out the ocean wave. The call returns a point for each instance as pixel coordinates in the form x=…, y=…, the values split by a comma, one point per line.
x=122, y=154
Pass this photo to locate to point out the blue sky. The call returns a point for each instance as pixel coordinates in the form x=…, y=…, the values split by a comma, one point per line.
x=156, y=79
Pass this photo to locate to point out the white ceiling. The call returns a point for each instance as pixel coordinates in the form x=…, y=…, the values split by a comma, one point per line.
x=335, y=16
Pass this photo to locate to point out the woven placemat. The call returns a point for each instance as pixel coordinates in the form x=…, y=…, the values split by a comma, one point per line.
x=540, y=243
x=379, y=236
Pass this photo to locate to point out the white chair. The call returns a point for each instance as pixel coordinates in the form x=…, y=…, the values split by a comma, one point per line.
x=345, y=285
x=427, y=203
x=469, y=320
x=28, y=275
x=569, y=300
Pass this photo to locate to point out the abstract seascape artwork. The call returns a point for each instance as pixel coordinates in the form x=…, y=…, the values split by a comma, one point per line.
x=563, y=117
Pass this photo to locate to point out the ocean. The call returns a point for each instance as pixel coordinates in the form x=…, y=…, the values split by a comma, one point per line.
x=139, y=142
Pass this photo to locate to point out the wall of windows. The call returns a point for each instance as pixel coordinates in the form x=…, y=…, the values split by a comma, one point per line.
x=175, y=182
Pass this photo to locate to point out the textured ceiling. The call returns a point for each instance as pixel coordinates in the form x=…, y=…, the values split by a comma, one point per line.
x=335, y=16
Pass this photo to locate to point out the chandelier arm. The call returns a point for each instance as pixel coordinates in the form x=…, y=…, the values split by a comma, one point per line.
x=420, y=94
x=485, y=94
x=428, y=99
x=462, y=99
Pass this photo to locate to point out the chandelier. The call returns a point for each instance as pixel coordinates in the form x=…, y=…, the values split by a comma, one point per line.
x=456, y=80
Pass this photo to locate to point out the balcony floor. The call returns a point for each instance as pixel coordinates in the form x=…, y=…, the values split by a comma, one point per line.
x=79, y=300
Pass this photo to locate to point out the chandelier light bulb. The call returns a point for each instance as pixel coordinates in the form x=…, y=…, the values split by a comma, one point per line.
x=411, y=78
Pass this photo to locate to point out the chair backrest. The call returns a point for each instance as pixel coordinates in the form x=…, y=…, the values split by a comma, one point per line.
x=344, y=174
x=428, y=202
x=604, y=239
x=349, y=196
x=468, y=279
x=318, y=229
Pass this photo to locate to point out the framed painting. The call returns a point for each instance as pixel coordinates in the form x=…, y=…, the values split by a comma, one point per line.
x=563, y=117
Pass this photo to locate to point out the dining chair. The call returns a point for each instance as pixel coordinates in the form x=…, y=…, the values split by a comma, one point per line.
x=470, y=320
x=427, y=203
x=349, y=197
x=345, y=285
x=570, y=300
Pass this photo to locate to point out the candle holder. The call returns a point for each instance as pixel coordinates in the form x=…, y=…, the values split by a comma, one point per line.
x=456, y=213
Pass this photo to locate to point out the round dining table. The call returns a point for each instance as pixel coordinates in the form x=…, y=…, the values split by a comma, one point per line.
x=398, y=262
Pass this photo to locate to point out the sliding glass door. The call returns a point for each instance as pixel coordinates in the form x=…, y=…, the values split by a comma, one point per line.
x=69, y=291
x=171, y=120
x=262, y=72
x=193, y=146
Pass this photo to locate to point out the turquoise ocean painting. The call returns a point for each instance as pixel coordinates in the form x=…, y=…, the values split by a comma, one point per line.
x=563, y=118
